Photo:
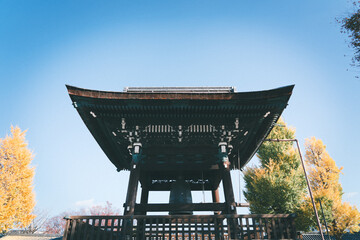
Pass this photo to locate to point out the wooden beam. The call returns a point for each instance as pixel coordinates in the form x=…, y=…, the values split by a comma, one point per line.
x=193, y=187
x=242, y=205
x=183, y=207
x=191, y=168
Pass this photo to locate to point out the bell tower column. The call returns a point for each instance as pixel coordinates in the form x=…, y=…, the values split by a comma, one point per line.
x=144, y=198
x=132, y=190
x=133, y=180
x=228, y=191
x=226, y=178
x=215, y=198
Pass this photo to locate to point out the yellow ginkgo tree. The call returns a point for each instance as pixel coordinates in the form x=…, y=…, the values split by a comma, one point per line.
x=324, y=179
x=17, y=198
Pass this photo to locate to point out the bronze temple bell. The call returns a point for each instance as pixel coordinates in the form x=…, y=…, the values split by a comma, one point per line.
x=180, y=193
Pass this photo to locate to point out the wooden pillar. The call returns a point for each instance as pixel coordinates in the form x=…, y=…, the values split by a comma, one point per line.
x=132, y=190
x=228, y=191
x=144, y=198
x=230, y=201
x=215, y=198
x=215, y=195
x=217, y=224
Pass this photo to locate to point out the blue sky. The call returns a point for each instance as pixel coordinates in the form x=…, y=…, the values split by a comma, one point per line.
x=252, y=45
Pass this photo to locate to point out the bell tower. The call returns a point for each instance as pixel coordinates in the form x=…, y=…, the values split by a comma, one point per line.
x=179, y=139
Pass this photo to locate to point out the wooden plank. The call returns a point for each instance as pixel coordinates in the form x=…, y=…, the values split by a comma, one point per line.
x=202, y=229
x=267, y=228
x=157, y=228
x=222, y=226
x=78, y=230
x=170, y=230
x=131, y=228
x=163, y=229
x=248, y=228
x=194, y=186
x=73, y=228
x=209, y=228
x=67, y=231
x=274, y=228
x=238, y=229
x=119, y=229
x=228, y=228
x=189, y=229
x=98, y=234
x=293, y=227
x=140, y=228
x=159, y=207
x=241, y=227
x=177, y=228
x=193, y=216
x=92, y=235
x=216, y=228
x=196, y=229
x=150, y=228
x=256, y=230
x=112, y=228
x=261, y=228
x=82, y=230
x=242, y=205
x=182, y=229
x=281, y=228
x=143, y=229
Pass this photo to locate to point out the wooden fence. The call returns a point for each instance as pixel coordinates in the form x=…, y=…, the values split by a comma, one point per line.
x=180, y=227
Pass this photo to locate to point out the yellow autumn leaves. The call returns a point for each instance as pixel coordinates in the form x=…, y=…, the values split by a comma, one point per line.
x=17, y=198
x=324, y=179
x=278, y=184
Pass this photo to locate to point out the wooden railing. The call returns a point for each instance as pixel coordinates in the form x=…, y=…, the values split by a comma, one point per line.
x=180, y=227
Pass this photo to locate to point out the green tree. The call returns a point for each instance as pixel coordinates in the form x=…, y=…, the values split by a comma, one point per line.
x=277, y=185
x=17, y=198
x=351, y=26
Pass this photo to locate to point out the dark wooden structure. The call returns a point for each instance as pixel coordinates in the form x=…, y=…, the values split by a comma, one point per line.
x=198, y=134
x=280, y=226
